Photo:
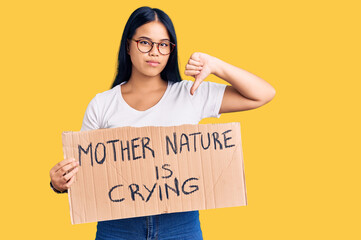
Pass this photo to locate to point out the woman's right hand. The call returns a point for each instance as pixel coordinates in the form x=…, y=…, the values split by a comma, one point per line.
x=62, y=175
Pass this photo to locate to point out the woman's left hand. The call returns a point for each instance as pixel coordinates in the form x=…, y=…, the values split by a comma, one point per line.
x=199, y=66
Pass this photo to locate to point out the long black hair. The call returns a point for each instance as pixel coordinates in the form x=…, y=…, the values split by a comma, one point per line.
x=139, y=17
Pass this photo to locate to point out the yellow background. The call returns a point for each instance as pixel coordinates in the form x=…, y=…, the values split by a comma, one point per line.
x=301, y=155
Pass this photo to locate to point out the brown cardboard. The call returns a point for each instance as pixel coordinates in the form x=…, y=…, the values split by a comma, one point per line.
x=207, y=178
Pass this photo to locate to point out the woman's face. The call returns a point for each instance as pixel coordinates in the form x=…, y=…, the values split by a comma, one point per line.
x=151, y=63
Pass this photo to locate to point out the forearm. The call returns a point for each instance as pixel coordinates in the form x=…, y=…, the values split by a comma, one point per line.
x=246, y=83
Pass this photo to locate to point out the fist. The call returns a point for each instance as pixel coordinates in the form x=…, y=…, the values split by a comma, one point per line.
x=199, y=66
x=62, y=175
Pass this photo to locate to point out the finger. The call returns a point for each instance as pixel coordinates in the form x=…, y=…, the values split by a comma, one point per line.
x=191, y=72
x=193, y=67
x=63, y=163
x=69, y=183
x=195, y=86
x=71, y=174
x=196, y=56
x=194, y=62
x=65, y=169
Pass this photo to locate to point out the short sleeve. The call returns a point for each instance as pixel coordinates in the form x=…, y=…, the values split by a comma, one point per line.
x=91, y=117
x=207, y=99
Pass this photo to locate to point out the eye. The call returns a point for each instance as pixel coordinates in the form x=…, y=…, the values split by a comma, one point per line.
x=164, y=44
x=144, y=42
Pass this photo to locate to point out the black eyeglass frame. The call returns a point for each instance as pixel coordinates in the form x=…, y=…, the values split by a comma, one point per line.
x=171, y=49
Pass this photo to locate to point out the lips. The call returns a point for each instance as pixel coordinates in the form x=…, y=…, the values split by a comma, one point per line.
x=153, y=63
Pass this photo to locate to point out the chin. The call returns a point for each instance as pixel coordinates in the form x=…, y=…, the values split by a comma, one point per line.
x=153, y=73
x=148, y=74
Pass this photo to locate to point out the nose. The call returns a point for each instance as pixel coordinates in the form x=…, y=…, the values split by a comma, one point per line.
x=154, y=51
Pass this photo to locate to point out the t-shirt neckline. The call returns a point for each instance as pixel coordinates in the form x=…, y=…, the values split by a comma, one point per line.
x=147, y=110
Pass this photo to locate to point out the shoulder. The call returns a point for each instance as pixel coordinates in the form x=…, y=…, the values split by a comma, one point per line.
x=97, y=107
x=189, y=83
x=106, y=96
x=181, y=84
x=108, y=93
x=204, y=87
x=103, y=100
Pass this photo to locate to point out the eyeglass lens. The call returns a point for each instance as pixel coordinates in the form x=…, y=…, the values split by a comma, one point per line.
x=146, y=45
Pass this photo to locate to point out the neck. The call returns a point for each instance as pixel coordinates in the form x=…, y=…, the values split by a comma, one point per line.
x=144, y=83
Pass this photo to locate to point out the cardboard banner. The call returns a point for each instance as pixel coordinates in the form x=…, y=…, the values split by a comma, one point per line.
x=138, y=171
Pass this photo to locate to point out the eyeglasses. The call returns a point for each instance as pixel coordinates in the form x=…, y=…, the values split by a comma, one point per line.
x=145, y=46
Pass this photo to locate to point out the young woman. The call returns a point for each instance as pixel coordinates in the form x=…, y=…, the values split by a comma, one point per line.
x=148, y=91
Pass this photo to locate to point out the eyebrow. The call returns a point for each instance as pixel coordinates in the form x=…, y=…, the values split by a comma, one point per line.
x=151, y=39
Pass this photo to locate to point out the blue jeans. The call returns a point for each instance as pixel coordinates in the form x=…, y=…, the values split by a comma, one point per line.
x=169, y=226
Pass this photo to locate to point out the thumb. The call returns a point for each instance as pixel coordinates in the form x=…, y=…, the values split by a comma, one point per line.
x=195, y=86
x=198, y=80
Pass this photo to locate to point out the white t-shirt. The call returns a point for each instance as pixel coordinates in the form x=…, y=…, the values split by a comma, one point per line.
x=177, y=106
